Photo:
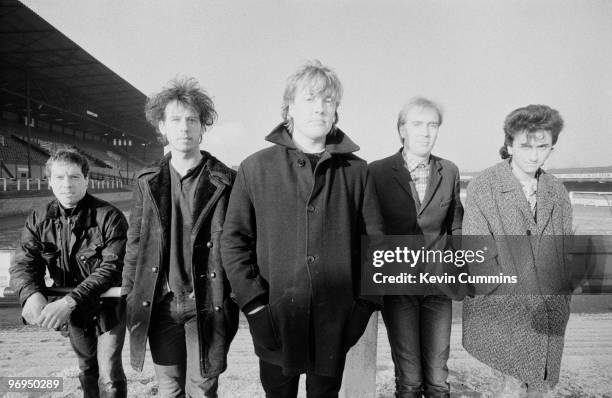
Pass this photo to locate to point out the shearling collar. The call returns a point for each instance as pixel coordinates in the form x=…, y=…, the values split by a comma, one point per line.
x=335, y=143
x=212, y=164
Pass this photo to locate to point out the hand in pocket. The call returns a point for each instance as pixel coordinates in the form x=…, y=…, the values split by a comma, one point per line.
x=262, y=329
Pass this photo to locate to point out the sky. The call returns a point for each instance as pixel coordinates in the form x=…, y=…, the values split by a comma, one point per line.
x=480, y=59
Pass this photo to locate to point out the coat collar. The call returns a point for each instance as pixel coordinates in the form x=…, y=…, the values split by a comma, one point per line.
x=213, y=180
x=510, y=186
x=335, y=143
x=402, y=176
x=84, y=217
x=221, y=173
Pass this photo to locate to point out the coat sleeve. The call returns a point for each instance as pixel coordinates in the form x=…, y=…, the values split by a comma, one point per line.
x=133, y=242
x=108, y=273
x=370, y=210
x=372, y=225
x=27, y=273
x=455, y=211
x=238, y=246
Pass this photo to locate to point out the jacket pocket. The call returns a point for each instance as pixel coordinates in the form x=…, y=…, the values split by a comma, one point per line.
x=89, y=258
x=262, y=329
x=445, y=203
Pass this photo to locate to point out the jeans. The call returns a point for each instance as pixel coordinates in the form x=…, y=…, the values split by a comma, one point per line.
x=101, y=370
x=175, y=349
x=277, y=385
x=419, y=329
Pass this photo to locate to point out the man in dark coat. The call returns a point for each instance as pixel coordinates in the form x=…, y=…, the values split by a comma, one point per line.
x=80, y=240
x=291, y=240
x=419, y=195
x=177, y=292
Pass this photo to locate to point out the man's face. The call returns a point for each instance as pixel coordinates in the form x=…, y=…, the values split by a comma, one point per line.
x=182, y=128
x=313, y=115
x=420, y=131
x=530, y=150
x=68, y=183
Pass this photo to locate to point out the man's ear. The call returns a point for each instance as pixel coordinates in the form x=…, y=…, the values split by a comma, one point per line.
x=161, y=126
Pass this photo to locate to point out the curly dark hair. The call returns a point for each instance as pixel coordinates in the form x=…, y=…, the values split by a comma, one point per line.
x=530, y=118
x=187, y=91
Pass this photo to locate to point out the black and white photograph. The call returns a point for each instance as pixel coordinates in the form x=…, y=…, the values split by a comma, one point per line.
x=306, y=198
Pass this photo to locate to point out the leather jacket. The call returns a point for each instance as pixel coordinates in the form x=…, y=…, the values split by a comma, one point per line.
x=84, y=251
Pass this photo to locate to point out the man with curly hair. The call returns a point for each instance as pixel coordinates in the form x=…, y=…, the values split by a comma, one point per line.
x=176, y=290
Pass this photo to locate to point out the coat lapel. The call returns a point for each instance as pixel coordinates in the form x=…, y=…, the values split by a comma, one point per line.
x=512, y=194
x=207, y=194
x=544, y=202
x=159, y=185
x=402, y=176
x=435, y=176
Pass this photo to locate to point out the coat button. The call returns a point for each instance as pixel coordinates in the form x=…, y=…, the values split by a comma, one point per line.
x=83, y=257
x=209, y=244
x=217, y=308
x=310, y=259
x=146, y=303
x=301, y=162
x=154, y=269
x=528, y=232
x=310, y=208
x=213, y=274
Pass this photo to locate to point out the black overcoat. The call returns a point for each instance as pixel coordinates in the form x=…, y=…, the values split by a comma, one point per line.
x=147, y=258
x=291, y=238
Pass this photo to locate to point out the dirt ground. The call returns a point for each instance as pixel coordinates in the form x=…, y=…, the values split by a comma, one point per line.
x=585, y=371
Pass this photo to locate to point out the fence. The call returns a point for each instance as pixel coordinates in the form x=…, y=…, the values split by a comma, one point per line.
x=37, y=184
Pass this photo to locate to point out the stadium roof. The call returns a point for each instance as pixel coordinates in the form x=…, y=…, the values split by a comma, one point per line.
x=67, y=85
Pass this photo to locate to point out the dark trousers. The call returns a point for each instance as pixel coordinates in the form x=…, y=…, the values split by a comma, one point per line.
x=175, y=349
x=277, y=385
x=101, y=370
x=419, y=329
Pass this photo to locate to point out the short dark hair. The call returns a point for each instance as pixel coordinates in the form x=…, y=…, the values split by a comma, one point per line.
x=530, y=118
x=187, y=91
x=71, y=156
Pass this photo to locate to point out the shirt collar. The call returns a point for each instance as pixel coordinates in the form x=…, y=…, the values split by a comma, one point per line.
x=413, y=163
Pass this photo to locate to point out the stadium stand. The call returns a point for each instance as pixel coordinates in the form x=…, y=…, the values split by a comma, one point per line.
x=53, y=95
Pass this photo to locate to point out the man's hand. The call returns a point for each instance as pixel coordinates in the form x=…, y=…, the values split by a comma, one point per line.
x=32, y=307
x=54, y=315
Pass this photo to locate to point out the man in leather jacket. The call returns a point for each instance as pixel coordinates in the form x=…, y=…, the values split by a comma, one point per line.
x=80, y=241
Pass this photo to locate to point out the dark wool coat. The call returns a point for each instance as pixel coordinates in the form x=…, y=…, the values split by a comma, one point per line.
x=517, y=334
x=147, y=254
x=292, y=239
x=440, y=213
